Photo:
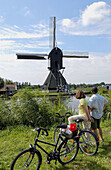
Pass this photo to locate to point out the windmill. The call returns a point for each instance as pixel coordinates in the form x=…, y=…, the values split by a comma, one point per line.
x=55, y=80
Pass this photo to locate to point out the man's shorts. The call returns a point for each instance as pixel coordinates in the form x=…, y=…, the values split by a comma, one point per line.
x=95, y=124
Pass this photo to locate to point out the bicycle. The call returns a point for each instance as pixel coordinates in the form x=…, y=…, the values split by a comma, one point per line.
x=88, y=141
x=32, y=159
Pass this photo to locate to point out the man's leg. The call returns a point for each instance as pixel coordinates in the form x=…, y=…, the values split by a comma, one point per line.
x=94, y=127
x=101, y=134
x=100, y=130
x=95, y=132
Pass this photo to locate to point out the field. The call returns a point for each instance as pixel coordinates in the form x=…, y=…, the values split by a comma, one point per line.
x=15, y=139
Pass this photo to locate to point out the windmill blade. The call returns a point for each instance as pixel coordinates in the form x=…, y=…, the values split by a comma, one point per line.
x=32, y=56
x=52, y=32
x=75, y=54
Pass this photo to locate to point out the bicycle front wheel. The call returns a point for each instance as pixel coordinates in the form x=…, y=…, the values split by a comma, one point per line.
x=27, y=159
x=68, y=151
x=88, y=142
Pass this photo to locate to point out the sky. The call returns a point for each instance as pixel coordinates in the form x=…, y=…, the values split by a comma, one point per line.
x=81, y=26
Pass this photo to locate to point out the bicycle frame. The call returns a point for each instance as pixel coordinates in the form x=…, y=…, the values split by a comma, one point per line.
x=78, y=128
x=80, y=132
x=47, y=143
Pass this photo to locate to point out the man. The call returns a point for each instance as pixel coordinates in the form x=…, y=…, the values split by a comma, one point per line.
x=96, y=104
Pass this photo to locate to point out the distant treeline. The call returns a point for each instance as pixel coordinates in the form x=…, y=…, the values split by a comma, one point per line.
x=83, y=85
x=28, y=84
x=18, y=84
x=5, y=81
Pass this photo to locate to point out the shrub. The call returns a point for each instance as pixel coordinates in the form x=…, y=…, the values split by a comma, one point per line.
x=5, y=114
x=26, y=105
x=107, y=109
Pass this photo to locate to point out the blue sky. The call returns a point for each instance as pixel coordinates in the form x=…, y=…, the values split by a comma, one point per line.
x=81, y=25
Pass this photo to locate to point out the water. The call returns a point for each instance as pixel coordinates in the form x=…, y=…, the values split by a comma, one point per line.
x=73, y=103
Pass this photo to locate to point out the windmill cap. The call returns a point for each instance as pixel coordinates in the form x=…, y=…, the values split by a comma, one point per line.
x=94, y=89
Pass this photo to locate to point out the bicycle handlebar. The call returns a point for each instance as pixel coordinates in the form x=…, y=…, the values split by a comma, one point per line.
x=67, y=114
x=58, y=115
x=44, y=131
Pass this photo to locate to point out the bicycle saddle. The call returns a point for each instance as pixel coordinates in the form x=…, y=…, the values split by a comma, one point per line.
x=63, y=126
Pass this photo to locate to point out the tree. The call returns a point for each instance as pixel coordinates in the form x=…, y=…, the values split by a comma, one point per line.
x=1, y=82
x=8, y=82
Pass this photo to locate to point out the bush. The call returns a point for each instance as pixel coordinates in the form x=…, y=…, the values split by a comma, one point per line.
x=107, y=109
x=26, y=105
x=5, y=114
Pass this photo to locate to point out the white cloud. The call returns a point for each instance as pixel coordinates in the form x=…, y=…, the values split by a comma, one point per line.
x=68, y=23
x=13, y=39
x=95, y=13
x=39, y=26
x=15, y=26
x=97, y=68
x=94, y=20
x=25, y=11
x=8, y=58
x=1, y=19
x=6, y=44
x=9, y=32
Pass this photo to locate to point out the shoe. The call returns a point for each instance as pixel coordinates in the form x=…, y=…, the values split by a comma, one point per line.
x=102, y=140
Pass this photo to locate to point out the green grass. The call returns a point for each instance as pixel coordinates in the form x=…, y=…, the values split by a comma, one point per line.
x=14, y=140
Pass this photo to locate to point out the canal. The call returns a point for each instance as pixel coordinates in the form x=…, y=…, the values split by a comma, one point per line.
x=70, y=101
x=73, y=103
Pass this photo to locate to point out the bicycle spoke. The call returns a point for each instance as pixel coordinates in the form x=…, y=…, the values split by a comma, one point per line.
x=68, y=151
x=88, y=143
x=26, y=160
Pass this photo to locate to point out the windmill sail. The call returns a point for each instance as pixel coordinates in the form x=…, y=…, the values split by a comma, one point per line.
x=75, y=54
x=54, y=34
x=32, y=56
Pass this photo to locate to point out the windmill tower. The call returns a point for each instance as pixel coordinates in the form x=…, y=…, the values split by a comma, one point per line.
x=55, y=81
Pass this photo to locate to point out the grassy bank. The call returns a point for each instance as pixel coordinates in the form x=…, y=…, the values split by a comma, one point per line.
x=15, y=139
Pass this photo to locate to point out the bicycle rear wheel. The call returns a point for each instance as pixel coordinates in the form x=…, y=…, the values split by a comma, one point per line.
x=27, y=159
x=88, y=142
x=68, y=151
